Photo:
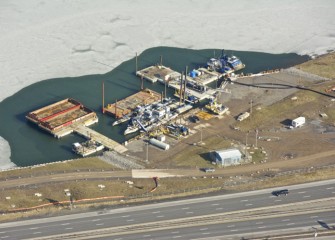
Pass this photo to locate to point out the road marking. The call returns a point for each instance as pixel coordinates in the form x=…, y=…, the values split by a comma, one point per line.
x=126, y=216
x=244, y=200
x=285, y=220
x=203, y=229
x=302, y=192
x=330, y=188
x=175, y=232
x=147, y=235
x=130, y=220
x=314, y=216
x=156, y=212
x=333, y=192
x=262, y=227
x=33, y=228
x=290, y=224
x=220, y=208
x=99, y=224
x=68, y=228
x=185, y=208
x=231, y=226
x=215, y=204
x=95, y=220
x=259, y=223
x=233, y=230
x=248, y=204
x=160, y=216
x=306, y=196
x=272, y=196
x=64, y=224
x=206, y=233
x=36, y=232
x=278, y=200
x=189, y=212
x=5, y=237
x=117, y=238
x=176, y=237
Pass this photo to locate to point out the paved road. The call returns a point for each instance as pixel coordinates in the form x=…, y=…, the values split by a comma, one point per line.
x=186, y=210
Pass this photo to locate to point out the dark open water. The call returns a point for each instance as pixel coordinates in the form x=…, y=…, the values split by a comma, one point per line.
x=30, y=145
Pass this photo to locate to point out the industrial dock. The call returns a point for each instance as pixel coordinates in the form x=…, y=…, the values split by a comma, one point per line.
x=68, y=116
x=126, y=106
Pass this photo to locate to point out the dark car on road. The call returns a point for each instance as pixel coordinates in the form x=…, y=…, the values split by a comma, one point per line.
x=194, y=119
x=280, y=192
x=208, y=170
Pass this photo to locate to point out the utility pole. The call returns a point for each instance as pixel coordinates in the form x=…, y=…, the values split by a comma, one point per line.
x=246, y=145
x=147, y=152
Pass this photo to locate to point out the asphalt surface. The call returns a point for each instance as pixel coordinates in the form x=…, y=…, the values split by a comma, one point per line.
x=184, y=209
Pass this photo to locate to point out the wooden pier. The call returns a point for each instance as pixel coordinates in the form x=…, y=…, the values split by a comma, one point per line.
x=127, y=105
x=98, y=137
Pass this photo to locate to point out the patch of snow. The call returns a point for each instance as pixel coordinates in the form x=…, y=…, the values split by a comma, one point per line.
x=49, y=39
x=5, y=162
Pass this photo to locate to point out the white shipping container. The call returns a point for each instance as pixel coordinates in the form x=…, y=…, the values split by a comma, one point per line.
x=298, y=122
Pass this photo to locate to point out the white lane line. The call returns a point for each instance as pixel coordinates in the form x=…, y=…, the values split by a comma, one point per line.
x=36, y=232
x=99, y=224
x=185, y=208
x=290, y=224
x=126, y=216
x=33, y=228
x=306, y=196
x=231, y=226
x=147, y=235
x=257, y=223
x=285, y=220
x=262, y=227
x=244, y=200
x=329, y=188
x=215, y=204
x=314, y=216
x=130, y=220
x=203, y=229
x=68, y=228
x=176, y=237
x=272, y=196
x=189, y=212
x=219, y=208
x=233, y=230
x=302, y=192
x=118, y=238
x=278, y=200
x=4, y=237
x=156, y=212
x=160, y=216
x=206, y=233
x=95, y=220
x=248, y=204
x=64, y=224
x=175, y=232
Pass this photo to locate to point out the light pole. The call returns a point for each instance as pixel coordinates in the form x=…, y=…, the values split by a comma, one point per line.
x=68, y=194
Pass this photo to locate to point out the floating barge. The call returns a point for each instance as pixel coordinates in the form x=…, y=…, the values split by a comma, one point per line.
x=158, y=73
x=68, y=116
x=57, y=117
x=128, y=105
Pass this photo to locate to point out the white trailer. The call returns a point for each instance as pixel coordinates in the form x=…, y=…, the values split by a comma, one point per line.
x=298, y=122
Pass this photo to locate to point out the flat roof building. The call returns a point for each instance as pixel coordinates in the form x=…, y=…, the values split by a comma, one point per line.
x=227, y=157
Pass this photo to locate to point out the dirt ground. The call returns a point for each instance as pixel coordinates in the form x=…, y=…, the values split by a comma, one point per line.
x=275, y=100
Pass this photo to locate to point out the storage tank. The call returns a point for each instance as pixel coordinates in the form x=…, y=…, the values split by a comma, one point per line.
x=159, y=144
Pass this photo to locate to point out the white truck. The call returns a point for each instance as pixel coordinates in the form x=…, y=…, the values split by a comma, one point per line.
x=298, y=122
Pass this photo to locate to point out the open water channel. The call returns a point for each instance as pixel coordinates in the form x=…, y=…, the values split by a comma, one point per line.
x=31, y=145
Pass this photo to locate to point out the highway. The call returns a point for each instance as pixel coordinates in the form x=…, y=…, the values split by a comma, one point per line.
x=232, y=216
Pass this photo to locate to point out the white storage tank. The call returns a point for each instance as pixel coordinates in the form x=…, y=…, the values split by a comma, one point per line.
x=159, y=144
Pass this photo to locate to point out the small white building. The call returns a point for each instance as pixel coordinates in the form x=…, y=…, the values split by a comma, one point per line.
x=227, y=157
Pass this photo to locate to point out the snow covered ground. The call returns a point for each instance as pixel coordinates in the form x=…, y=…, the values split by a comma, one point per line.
x=42, y=39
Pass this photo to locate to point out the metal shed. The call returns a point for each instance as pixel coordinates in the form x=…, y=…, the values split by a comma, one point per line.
x=227, y=157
